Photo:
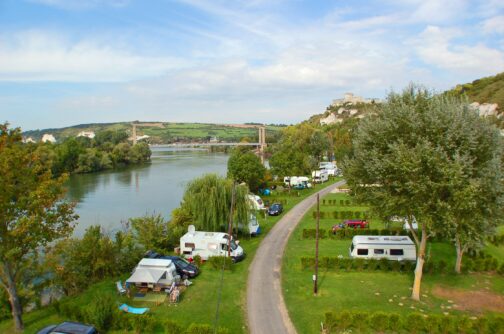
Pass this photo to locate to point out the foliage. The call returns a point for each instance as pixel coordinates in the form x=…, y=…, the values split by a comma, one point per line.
x=152, y=232
x=410, y=160
x=208, y=200
x=76, y=263
x=32, y=210
x=218, y=262
x=245, y=166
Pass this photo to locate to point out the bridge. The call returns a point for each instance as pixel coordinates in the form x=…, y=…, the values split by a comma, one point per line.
x=261, y=145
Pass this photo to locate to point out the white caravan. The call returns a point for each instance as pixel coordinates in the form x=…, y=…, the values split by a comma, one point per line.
x=253, y=227
x=255, y=202
x=320, y=176
x=297, y=181
x=330, y=167
x=207, y=244
x=154, y=272
x=378, y=246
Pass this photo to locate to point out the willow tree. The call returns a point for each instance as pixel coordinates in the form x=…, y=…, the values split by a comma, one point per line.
x=411, y=160
x=208, y=200
x=32, y=211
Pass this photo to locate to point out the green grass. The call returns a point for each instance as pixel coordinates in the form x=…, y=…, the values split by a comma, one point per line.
x=198, y=303
x=364, y=291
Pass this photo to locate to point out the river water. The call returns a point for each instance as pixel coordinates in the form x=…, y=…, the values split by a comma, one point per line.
x=110, y=198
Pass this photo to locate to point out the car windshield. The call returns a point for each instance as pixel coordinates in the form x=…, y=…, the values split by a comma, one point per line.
x=275, y=206
x=233, y=245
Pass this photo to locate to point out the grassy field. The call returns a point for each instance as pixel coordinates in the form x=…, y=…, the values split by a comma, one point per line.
x=198, y=302
x=367, y=291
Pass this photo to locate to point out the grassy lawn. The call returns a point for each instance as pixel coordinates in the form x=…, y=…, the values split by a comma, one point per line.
x=366, y=291
x=198, y=303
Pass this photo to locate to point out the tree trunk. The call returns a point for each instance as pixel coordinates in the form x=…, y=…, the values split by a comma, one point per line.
x=419, y=265
x=460, y=253
x=17, y=310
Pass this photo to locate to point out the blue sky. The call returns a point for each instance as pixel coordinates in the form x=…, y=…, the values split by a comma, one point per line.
x=66, y=62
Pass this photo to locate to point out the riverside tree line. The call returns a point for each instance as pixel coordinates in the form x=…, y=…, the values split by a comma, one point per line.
x=428, y=156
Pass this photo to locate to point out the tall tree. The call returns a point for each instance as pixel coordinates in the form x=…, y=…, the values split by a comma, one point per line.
x=408, y=152
x=32, y=210
x=245, y=166
x=208, y=199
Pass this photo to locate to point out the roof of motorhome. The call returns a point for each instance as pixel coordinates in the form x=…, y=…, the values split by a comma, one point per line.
x=382, y=240
x=205, y=235
x=163, y=263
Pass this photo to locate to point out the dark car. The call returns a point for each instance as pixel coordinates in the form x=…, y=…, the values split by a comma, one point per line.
x=275, y=209
x=184, y=267
x=68, y=327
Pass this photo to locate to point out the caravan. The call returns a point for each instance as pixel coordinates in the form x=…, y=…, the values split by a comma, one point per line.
x=255, y=202
x=377, y=246
x=320, y=176
x=207, y=244
x=297, y=182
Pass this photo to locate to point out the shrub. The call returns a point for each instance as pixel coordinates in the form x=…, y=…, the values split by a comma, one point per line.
x=342, y=202
x=142, y=323
x=344, y=320
x=379, y=321
x=199, y=329
x=394, y=323
x=480, y=326
x=101, y=312
x=447, y=325
x=497, y=325
x=197, y=260
x=359, y=264
x=415, y=322
x=464, y=325
x=171, y=327
x=432, y=324
x=330, y=322
x=360, y=320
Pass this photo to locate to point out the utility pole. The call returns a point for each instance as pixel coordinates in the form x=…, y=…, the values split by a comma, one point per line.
x=315, y=277
x=230, y=227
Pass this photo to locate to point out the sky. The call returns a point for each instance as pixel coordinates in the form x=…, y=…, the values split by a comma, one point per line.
x=68, y=62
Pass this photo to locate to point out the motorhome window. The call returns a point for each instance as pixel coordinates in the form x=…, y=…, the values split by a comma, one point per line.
x=224, y=247
x=189, y=245
x=361, y=251
x=396, y=252
x=233, y=245
x=379, y=251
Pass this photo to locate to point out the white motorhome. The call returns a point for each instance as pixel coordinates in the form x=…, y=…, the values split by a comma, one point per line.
x=255, y=202
x=330, y=167
x=320, y=176
x=253, y=227
x=152, y=273
x=378, y=246
x=207, y=244
x=297, y=182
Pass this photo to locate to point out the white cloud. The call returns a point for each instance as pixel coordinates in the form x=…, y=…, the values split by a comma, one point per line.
x=43, y=56
x=434, y=47
x=81, y=4
x=494, y=25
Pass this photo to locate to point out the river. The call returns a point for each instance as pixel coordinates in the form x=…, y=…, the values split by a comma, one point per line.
x=112, y=197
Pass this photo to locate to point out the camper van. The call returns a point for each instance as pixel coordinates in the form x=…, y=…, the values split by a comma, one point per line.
x=255, y=202
x=298, y=182
x=320, y=176
x=329, y=167
x=398, y=248
x=207, y=244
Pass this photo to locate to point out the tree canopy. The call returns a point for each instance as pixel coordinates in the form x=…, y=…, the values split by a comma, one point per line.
x=419, y=156
x=32, y=210
x=245, y=166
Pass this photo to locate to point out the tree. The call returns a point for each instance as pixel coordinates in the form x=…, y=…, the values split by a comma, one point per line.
x=405, y=162
x=32, y=210
x=208, y=201
x=245, y=166
x=151, y=232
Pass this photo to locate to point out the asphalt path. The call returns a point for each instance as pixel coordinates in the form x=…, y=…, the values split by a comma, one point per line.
x=266, y=310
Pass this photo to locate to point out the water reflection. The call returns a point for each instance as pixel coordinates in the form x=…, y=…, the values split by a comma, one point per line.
x=107, y=198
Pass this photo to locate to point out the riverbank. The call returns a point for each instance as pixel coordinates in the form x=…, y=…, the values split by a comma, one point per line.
x=199, y=301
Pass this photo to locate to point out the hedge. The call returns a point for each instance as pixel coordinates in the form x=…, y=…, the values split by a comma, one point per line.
x=431, y=267
x=342, y=214
x=349, y=233
x=362, y=321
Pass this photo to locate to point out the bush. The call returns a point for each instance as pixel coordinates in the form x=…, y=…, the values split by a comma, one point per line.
x=441, y=266
x=344, y=320
x=379, y=321
x=360, y=320
x=497, y=325
x=100, y=312
x=394, y=322
x=464, y=325
x=415, y=322
x=447, y=325
x=216, y=262
x=480, y=326
x=142, y=323
x=432, y=324
x=171, y=327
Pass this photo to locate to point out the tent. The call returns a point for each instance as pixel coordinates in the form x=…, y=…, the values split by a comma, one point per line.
x=146, y=275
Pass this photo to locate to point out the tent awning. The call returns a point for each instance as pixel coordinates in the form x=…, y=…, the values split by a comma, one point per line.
x=143, y=275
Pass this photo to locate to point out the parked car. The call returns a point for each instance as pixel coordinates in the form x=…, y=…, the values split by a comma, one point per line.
x=68, y=327
x=351, y=223
x=183, y=267
x=275, y=209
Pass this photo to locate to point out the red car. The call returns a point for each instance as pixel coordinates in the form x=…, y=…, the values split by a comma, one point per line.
x=352, y=223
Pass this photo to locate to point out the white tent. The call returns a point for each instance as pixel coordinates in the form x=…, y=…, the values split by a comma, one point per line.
x=144, y=275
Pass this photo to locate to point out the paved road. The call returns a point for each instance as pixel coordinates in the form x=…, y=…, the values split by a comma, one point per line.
x=266, y=310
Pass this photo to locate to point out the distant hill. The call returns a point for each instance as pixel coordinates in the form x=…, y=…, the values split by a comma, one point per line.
x=169, y=133
x=484, y=90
